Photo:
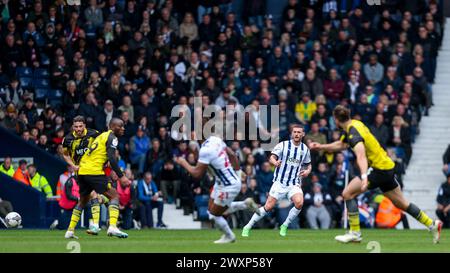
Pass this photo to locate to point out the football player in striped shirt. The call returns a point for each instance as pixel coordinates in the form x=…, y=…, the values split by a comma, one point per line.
x=292, y=160
x=222, y=162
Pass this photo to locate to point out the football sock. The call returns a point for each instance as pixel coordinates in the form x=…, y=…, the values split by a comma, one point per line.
x=113, y=209
x=76, y=215
x=421, y=216
x=222, y=224
x=293, y=213
x=353, y=215
x=235, y=206
x=255, y=218
x=95, y=211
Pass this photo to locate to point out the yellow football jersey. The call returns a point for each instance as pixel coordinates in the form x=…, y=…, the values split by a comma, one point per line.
x=77, y=146
x=94, y=160
x=377, y=157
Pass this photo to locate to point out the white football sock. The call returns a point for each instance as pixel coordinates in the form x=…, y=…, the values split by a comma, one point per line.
x=293, y=213
x=222, y=224
x=256, y=217
x=235, y=206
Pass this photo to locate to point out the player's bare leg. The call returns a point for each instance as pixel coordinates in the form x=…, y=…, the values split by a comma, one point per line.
x=76, y=215
x=270, y=204
x=399, y=200
x=215, y=213
x=297, y=199
x=113, y=210
x=349, y=194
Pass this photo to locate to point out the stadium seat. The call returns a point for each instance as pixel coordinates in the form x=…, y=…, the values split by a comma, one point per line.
x=26, y=82
x=55, y=94
x=41, y=73
x=41, y=83
x=202, y=214
x=44, y=59
x=201, y=200
x=41, y=94
x=24, y=72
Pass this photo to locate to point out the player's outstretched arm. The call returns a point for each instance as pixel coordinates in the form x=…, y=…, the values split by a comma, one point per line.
x=197, y=172
x=233, y=159
x=336, y=146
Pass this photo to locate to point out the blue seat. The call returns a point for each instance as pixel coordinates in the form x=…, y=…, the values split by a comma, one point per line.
x=26, y=82
x=55, y=94
x=41, y=94
x=41, y=83
x=45, y=59
x=41, y=73
x=201, y=200
x=202, y=213
x=24, y=72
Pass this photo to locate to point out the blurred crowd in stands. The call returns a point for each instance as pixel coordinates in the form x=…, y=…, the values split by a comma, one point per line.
x=136, y=59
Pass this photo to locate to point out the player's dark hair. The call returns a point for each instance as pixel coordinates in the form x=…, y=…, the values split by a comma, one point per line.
x=341, y=113
x=79, y=119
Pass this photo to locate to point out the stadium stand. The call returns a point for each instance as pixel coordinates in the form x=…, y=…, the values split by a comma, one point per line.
x=305, y=55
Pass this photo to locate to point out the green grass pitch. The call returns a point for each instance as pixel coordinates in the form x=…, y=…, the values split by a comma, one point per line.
x=260, y=241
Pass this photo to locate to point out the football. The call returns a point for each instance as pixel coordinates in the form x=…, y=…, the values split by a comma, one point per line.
x=13, y=219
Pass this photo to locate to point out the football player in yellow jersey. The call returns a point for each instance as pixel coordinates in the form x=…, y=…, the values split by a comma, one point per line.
x=91, y=177
x=75, y=144
x=377, y=171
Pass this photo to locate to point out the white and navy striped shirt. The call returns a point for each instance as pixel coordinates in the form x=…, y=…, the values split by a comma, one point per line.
x=213, y=153
x=292, y=159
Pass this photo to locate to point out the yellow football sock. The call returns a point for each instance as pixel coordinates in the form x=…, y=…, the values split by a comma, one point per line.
x=95, y=211
x=113, y=214
x=421, y=216
x=424, y=219
x=76, y=215
x=353, y=220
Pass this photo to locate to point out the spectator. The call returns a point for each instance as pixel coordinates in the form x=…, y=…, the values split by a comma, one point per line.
x=126, y=195
x=5, y=208
x=315, y=135
x=373, y=70
x=6, y=167
x=305, y=109
x=169, y=177
x=317, y=213
x=93, y=15
x=446, y=160
x=380, y=130
x=312, y=84
x=443, y=200
x=150, y=198
x=104, y=116
x=70, y=194
x=139, y=146
x=188, y=28
x=38, y=181
x=21, y=174
x=333, y=88
x=400, y=137
x=264, y=181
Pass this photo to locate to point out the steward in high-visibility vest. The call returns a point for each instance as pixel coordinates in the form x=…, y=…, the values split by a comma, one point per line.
x=388, y=215
x=70, y=194
x=6, y=167
x=39, y=182
x=21, y=173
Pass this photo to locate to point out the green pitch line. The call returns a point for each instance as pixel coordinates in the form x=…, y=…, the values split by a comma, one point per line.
x=263, y=241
